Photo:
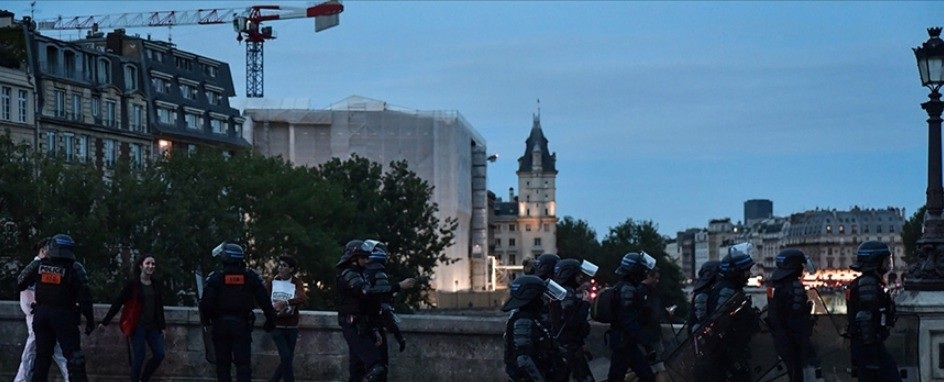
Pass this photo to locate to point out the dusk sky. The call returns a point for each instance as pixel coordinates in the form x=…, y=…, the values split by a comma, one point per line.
x=674, y=112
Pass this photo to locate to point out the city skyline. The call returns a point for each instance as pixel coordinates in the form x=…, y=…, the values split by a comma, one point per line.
x=672, y=112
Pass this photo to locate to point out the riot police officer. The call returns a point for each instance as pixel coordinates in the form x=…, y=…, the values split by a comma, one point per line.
x=870, y=315
x=531, y=354
x=366, y=360
x=61, y=284
x=626, y=333
x=380, y=295
x=544, y=265
x=228, y=299
x=732, y=356
x=788, y=313
x=569, y=316
x=701, y=290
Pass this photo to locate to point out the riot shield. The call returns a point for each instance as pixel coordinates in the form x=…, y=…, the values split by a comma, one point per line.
x=683, y=362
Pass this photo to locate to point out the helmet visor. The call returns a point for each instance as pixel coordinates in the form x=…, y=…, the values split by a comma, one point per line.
x=368, y=245
x=648, y=261
x=216, y=252
x=588, y=268
x=810, y=267
x=555, y=291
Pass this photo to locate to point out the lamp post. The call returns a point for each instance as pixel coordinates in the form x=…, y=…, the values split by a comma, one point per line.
x=928, y=272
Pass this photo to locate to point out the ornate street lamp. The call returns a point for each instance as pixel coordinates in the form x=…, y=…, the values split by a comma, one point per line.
x=928, y=273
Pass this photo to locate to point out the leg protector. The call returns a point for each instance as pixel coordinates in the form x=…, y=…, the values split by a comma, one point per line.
x=377, y=373
x=76, y=366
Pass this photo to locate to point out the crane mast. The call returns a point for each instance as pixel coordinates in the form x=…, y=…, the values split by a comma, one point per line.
x=247, y=23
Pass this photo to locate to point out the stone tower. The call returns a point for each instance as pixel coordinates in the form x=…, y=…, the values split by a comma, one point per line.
x=537, y=206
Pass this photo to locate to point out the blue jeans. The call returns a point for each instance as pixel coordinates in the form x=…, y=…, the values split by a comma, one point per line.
x=154, y=340
x=284, y=339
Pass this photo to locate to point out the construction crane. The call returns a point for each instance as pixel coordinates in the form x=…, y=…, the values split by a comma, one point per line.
x=247, y=23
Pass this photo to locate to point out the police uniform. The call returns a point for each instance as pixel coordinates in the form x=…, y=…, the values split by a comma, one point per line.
x=789, y=314
x=870, y=315
x=531, y=354
x=229, y=297
x=732, y=357
x=626, y=333
x=569, y=319
x=366, y=361
x=61, y=285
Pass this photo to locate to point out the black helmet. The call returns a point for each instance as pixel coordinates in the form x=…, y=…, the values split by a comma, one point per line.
x=707, y=273
x=735, y=264
x=229, y=253
x=566, y=269
x=544, y=265
x=636, y=265
x=524, y=289
x=349, y=250
x=871, y=256
x=378, y=254
x=789, y=263
x=61, y=246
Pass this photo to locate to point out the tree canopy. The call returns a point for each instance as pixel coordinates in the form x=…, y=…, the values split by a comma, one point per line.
x=182, y=205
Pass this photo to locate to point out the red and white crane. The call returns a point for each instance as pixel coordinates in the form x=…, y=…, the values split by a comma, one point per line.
x=247, y=22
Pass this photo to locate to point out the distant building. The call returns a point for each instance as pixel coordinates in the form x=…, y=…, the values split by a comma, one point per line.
x=756, y=210
x=441, y=147
x=99, y=99
x=831, y=237
x=525, y=226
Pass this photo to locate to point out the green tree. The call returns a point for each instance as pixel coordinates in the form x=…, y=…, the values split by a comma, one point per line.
x=17, y=211
x=415, y=237
x=632, y=236
x=910, y=233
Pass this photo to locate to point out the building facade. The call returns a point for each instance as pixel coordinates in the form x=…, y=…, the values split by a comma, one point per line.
x=831, y=237
x=441, y=147
x=101, y=99
x=525, y=226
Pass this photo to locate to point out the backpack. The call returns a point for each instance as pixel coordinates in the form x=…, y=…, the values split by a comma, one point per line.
x=603, y=308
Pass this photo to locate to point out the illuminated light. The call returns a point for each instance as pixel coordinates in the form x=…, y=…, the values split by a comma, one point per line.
x=163, y=143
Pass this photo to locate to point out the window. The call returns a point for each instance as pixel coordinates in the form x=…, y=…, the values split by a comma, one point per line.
x=68, y=146
x=511, y=227
x=70, y=64
x=547, y=227
x=83, y=149
x=213, y=97
x=194, y=121
x=512, y=242
x=6, y=103
x=161, y=85
x=891, y=228
x=537, y=242
x=110, y=113
x=21, y=101
x=51, y=142
x=209, y=69
x=76, y=107
x=137, y=118
x=527, y=212
x=135, y=152
x=878, y=228
x=104, y=71
x=183, y=63
x=842, y=229
x=498, y=242
x=512, y=259
x=60, y=103
x=131, y=77
x=166, y=116
x=218, y=126
x=96, y=107
x=527, y=227
x=52, y=60
x=188, y=91
x=829, y=229
x=108, y=156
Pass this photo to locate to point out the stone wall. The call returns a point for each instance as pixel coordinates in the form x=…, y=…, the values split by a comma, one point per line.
x=440, y=348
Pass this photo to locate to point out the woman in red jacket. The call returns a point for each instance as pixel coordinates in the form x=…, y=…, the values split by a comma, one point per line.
x=142, y=319
x=287, y=293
